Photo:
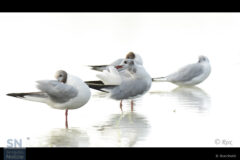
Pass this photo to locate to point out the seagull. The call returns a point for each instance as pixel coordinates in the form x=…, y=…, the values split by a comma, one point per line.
x=67, y=92
x=189, y=75
x=130, y=55
x=129, y=81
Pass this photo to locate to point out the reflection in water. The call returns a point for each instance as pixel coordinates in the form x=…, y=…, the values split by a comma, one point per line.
x=126, y=103
x=100, y=95
x=189, y=97
x=126, y=129
x=60, y=137
x=193, y=97
x=122, y=130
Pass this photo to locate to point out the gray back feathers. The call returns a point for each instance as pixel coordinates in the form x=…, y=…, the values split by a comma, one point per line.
x=130, y=88
x=57, y=91
x=187, y=73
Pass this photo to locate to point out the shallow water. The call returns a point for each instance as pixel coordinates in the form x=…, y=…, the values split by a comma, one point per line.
x=173, y=116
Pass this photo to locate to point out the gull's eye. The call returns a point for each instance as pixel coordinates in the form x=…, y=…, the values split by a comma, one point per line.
x=60, y=75
x=125, y=62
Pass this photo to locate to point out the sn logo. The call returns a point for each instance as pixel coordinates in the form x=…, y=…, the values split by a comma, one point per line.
x=14, y=143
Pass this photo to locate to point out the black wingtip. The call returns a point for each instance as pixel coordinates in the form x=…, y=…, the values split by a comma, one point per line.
x=98, y=67
x=94, y=82
x=91, y=67
x=12, y=94
x=15, y=94
x=99, y=85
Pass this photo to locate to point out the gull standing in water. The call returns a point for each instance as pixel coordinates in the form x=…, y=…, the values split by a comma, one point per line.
x=129, y=81
x=130, y=55
x=67, y=92
x=189, y=75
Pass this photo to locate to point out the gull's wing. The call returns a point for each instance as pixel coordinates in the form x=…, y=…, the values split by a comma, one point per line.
x=110, y=76
x=109, y=79
x=130, y=88
x=186, y=73
x=100, y=86
x=132, y=84
x=104, y=67
x=98, y=67
x=57, y=91
x=117, y=62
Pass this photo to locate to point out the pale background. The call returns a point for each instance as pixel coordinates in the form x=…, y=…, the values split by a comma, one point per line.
x=33, y=46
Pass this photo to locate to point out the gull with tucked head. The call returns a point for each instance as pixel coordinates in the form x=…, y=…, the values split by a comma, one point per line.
x=189, y=75
x=67, y=92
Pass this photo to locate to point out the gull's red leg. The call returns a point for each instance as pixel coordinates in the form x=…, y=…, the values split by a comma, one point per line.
x=121, y=105
x=66, y=118
x=131, y=105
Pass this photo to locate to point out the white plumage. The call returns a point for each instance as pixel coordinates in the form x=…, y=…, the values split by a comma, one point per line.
x=189, y=75
x=67, y=92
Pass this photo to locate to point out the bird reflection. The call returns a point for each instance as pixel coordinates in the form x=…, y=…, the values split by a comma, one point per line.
x=100, y=95
x=122, y=130
x=128, y=102
x=60, y=137
x=189, y=97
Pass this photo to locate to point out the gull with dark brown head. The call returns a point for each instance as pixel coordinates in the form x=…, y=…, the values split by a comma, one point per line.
x=130, y=55
x=67, y=92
